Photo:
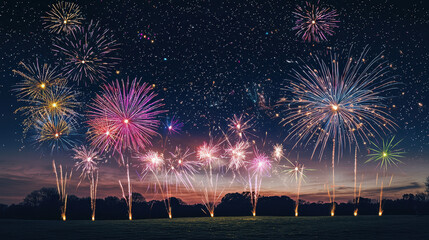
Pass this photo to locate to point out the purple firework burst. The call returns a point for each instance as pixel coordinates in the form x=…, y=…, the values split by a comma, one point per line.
x=315, y=23
x=124, y=116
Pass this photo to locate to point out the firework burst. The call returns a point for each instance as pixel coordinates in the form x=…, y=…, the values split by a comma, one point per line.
x=37, y=80
x=208, y=153
x=314, y=23
x=237, y=155
x=87, y=160
x=260, y=166
x=342, y=104
x=57, y=132
x=173, y=125
x=180, y=170
x=345, y=105
x=151, y=162
x=87, y=52
x=63, y=17
x=57, y=102
x=210, y=161
x=278, y=152
x=239, y=126
x=124, y=116
x=386, y=154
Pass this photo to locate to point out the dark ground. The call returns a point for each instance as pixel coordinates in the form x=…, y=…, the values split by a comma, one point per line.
x=361, y=227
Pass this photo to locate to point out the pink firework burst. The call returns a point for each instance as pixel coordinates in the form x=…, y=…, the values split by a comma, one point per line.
x=261, y=164
x=181, y=169
x=151, y=162
x=124, y=116
x=87, y=160
x=208, y=153
x=237, y=154
x=315, y=23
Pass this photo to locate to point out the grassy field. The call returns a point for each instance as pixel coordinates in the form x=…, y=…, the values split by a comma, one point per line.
x=361, y=227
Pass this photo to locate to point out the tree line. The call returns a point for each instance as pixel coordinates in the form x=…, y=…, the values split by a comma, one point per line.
x=45, y=204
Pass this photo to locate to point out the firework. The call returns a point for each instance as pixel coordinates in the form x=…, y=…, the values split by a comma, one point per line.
x=237, y=154
x=124, y=116
x=63, y=17
x=87, y=160
x=179, y=171
x=296, y=172
x=56, y=102
x=314, y=23
x=278, y=152
x=356, y=196
x=339, y=104
x=62, y=187
x=129, y=199
x=154, y=164
x=240, y=126
x=87, y=52
x=181, y=168
x=386, y=155
x=210, y=161
x=37, y=80
x=151, y=162
x=259, y=167
x=208, y=153
x=55, y=131
x=173, y=125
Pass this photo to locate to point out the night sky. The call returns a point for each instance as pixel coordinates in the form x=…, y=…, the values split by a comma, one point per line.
x=210, y=60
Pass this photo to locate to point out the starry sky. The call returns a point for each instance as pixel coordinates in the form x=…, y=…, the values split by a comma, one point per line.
x=212, y=59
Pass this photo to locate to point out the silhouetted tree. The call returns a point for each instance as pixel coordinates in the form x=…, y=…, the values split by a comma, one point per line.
x=45, y=204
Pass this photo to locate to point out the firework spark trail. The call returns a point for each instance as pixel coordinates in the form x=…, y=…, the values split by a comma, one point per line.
x=62, y=187
x=88, y=51
x=124, y=116
x=87, y=160
x=260, y=166
x=296, y=172
x=301, y=172
x=344, y=106
x=386, y=154
x=355, y=199
x=333, y=178
x=179, y=171
x=314, y=23
x=129, y=200
x=380, y=209
x=207, y=154
x=63, y=17
x=154, y=164
x=93, y=192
